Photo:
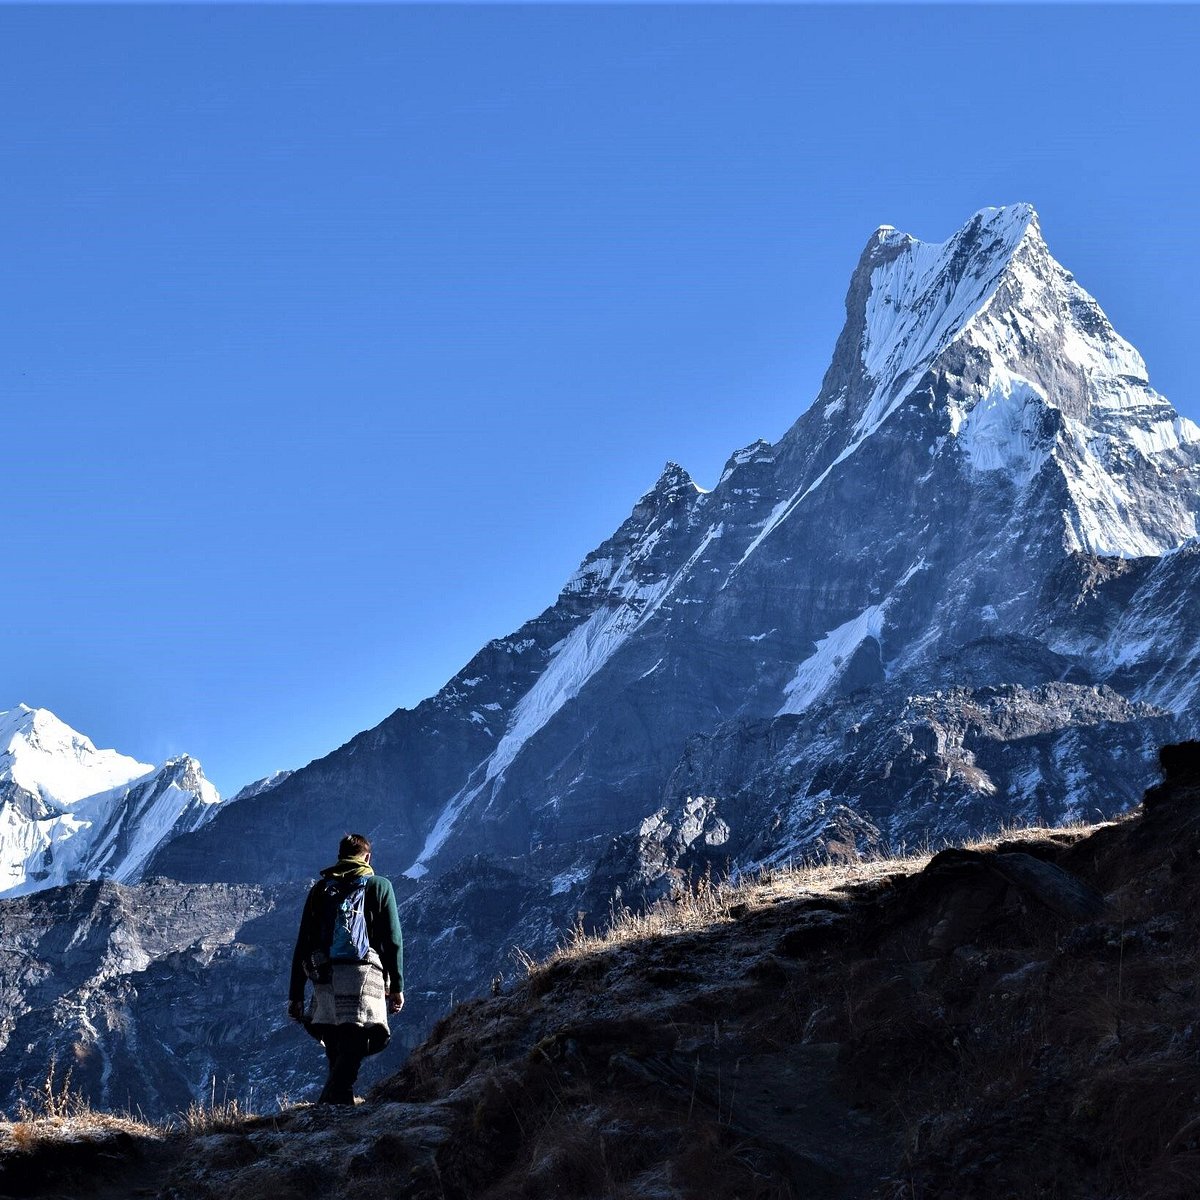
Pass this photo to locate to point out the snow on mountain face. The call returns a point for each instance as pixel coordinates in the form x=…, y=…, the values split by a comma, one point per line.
x=624, y=583
x=69, y=811
x=1044, y=377
x=175, y=799
x=909, y=301
x=50, y=760
x=926, y=294
x=834, y=649
x=1046, y=339
x=259, y=786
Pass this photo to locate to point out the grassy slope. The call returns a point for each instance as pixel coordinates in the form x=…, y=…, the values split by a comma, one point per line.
x=906, y=1029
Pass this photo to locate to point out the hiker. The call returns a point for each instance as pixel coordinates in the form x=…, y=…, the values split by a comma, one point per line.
x=350, y=948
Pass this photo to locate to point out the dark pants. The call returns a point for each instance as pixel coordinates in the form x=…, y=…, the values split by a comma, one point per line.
x=345, y=1048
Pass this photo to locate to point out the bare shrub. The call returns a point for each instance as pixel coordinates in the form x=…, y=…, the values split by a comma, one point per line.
x=215, y=1116
x=55, y=1111
x=53, y=1098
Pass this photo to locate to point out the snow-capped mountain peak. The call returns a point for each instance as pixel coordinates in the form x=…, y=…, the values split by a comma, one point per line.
x=924, y=294
x=69, y=811
x=991, y=352
x=49, y=759
x=995, y=286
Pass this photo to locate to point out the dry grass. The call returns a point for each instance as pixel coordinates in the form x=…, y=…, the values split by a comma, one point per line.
x=201, y=1118
x=700, y=903
x=697, y=904
x=26, y=1133
x=217, y=1116
x=56, y=1112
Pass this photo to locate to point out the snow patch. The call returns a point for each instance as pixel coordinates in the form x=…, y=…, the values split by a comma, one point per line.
x=820, y=670
x=443, y=825
x=1000, y=432
x=567, y=880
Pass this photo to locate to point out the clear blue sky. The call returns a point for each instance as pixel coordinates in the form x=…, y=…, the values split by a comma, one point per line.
x=331, y=339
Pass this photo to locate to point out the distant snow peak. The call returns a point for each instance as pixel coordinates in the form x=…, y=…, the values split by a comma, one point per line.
x=175, y=799
x=259, y=786
x=48, y=758
x=69, y=811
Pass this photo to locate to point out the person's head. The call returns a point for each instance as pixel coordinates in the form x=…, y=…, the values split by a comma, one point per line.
x=354, y=845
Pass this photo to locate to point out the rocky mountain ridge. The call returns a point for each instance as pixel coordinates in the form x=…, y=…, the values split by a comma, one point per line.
x=985, y=460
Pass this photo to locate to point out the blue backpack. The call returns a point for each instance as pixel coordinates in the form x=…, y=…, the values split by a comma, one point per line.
x=342, y=932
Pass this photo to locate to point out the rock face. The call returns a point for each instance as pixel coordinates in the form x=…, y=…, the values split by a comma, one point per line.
x=909, y=770
x=956, y=593
x=69, y=811
x=155, y=995
x=141, y=993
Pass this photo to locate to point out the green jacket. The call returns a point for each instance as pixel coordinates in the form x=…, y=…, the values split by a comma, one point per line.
x=383, y=927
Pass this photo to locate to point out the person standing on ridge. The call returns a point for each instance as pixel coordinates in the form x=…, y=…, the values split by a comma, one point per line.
x=351, y=950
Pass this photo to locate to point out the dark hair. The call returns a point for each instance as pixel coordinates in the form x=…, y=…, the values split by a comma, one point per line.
x=353, y=845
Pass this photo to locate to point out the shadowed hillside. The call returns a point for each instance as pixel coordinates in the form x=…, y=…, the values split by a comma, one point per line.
x=1008, y=1020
